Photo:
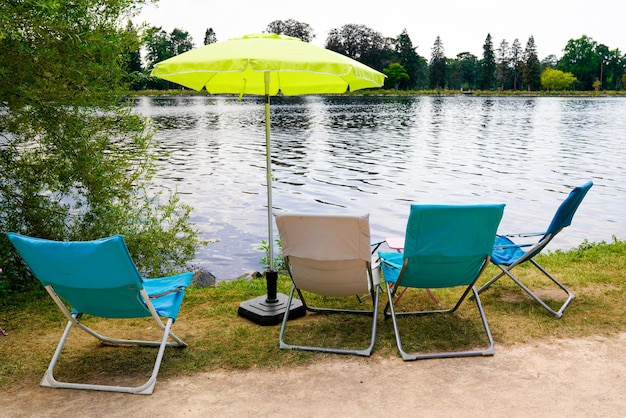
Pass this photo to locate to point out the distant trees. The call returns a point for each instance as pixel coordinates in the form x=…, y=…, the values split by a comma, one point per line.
x=293, y=28
x=363, y=44
x=161, y=45
x=589, y=61
x=209, y=37
x=415, y=65
x=507, y=67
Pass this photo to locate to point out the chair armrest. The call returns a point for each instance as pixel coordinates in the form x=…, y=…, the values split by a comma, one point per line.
x=523, y=234
x=375, y=246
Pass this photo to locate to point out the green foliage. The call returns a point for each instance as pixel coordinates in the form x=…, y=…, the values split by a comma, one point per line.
x=556, y=79
x=395, y=73
x=75, y=162
x=279, y=261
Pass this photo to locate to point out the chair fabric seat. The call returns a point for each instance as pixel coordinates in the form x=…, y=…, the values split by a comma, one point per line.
x=506, y=252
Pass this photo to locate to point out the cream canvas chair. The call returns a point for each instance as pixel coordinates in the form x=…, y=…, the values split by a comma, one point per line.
x=329, y=255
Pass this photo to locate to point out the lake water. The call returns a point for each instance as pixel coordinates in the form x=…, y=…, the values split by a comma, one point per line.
x=377, y=155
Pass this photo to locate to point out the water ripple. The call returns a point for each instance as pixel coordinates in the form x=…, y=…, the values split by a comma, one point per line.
x=379, y=154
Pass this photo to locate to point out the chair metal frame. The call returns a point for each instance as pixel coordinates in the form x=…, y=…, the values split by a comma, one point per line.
x=390, y=310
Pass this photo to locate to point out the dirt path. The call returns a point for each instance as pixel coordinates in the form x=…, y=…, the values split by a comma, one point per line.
x=584, y=377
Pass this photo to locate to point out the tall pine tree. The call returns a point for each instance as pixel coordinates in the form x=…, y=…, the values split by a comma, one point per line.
x=531, y=71
x=488, y=65
x=438, y=65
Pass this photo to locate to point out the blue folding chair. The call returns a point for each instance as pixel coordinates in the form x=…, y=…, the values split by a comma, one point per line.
x=507, y=254
x=99, y=278
x=444, y=247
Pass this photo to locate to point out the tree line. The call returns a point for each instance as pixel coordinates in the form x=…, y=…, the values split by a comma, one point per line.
x=585, y=65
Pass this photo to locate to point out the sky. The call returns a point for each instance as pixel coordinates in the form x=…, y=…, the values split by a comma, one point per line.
x=461, y=25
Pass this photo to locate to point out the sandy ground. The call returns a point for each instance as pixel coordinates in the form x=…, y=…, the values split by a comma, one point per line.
x=583, y=377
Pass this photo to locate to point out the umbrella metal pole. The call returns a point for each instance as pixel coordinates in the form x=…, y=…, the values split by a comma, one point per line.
x=271, y=308
x=271, y=276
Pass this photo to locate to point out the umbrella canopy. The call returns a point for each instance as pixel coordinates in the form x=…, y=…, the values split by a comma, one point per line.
x=238, y=66
x=267, y=64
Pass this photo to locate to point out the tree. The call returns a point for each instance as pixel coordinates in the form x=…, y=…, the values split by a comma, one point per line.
x=293, y=28
x=134, y=69
x=488, y=65
x=516, y=59
x=415, y=65
x=160, y=45
x=438, y=65
x=209, y=37
x=466, y=70
x=531, y=69
x=503, y=65
x=581, y=59
x=550, y=61
x=180, y=41
x=556, y=79
x=396, y=73
x=75, y=161
x=361, y=43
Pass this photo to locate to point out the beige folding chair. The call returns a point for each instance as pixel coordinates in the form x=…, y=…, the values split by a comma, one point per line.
x=329, y=255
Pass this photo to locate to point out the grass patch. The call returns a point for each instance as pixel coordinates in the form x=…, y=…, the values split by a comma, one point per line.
x=219, y=339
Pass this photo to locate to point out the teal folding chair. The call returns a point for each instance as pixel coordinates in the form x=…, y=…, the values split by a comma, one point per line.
x=445, y=247
x=507, y=254
x=99, y=278
x=329, y=255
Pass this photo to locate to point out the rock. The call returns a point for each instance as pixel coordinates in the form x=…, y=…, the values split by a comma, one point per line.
x=203, y=278
x=250, y=276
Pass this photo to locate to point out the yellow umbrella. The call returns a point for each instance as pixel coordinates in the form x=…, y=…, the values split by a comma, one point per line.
x=267, y=64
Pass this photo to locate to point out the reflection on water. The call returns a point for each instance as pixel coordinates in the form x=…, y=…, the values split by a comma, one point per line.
x=379, y=154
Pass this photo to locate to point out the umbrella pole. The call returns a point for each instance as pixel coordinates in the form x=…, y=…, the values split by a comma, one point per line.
x=270, y=309
x=271, y=276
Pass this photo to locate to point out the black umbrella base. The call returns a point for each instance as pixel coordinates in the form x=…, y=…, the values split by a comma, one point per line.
x=262, y=312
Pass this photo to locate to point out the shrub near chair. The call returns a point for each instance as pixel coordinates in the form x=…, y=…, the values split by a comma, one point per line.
x=444, y=247
x=507, y=254
x=329, y=255
x=99, y=278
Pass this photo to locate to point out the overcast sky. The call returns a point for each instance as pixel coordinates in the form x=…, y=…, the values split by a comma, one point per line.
x=461, y=24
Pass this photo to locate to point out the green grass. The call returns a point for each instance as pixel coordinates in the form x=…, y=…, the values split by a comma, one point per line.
x=219, y=339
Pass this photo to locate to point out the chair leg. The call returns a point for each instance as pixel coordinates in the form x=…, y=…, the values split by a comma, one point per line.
x=147, y=388
x=411, y=356
x=507, y=271
x=364, y=352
